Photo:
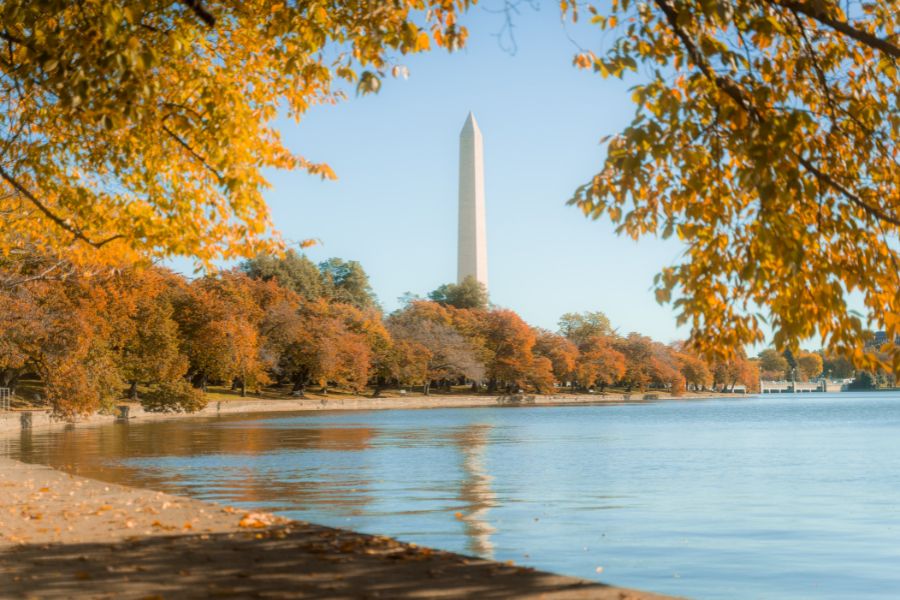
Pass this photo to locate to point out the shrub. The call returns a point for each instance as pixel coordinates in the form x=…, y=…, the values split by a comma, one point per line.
x=173, y=396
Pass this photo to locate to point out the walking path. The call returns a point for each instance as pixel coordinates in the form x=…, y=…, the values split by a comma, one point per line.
x=10, y=422
x=63, y=536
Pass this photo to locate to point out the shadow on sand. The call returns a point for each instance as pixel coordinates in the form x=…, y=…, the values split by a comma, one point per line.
x=295, y=561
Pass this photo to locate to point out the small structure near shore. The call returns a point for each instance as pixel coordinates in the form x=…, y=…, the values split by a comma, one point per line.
x=797, y=387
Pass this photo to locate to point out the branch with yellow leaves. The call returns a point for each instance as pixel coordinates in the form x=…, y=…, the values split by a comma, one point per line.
x=734, y=91
x=59, y=221
x=860, y=35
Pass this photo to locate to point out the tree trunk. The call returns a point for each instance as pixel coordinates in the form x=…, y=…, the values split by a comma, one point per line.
x=132, y=391
x=243, y=389
x=299, y=388
x=9, y=378
x=426, y=388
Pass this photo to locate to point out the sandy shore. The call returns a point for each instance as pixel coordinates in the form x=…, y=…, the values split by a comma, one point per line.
x=63, y=536
x=43, y=420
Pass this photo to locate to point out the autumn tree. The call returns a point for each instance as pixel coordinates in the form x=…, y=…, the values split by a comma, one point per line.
x=147, y=128
x=540, y=374
x=407, y=362
x=765, y=139
x=580, y=327
x=73, y=354
x=599, y=363
x=218, y=319
x=809, y=365
x=649, y=363
x=470, y=293
x=727, y=374
x=666, y=369
x=693, y=368
x=560, y=351
x=24, y=322
x=510, y=342
x=324, y=344
x=149, y=343
x=448, y=354
x=773, y=365
x=368, y=323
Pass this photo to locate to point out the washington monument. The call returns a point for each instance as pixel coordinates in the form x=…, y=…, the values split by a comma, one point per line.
x=472, y=232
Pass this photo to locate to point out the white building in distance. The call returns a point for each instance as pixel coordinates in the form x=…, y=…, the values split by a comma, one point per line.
x=472, y=231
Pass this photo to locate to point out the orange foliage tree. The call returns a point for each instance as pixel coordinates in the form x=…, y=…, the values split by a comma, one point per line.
x=447, y=353
x=561, y=352
x=510, y=342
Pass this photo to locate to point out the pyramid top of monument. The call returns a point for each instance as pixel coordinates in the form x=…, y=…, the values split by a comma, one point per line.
x=471, y=125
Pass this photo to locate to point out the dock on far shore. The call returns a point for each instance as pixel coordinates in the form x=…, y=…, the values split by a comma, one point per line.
x=798, y=387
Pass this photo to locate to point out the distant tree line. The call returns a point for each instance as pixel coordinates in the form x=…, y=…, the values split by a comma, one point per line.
x=775, y=365
x=92, y=338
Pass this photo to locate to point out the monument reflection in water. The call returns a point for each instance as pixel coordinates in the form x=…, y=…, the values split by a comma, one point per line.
x=180, y=457
x=475, y=490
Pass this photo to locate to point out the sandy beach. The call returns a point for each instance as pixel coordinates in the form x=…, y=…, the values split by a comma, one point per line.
x=63, y=536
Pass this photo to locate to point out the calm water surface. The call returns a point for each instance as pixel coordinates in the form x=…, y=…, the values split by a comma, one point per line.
x=776, y=497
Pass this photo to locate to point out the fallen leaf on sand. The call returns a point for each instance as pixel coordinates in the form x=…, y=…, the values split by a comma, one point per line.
x=256, y=520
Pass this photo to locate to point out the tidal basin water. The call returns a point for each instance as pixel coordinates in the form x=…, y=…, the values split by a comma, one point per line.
x=773, y=497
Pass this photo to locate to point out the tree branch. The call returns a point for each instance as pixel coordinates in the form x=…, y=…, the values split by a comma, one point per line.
x=193, y=153
x=198, y=9
x=77, y=233
x=819, y=14
x=741, y=98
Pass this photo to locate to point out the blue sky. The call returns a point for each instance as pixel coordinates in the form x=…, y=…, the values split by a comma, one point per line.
x=394, y=205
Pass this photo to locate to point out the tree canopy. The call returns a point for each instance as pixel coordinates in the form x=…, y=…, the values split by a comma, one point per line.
x=343, y=281
x=470, y=293
x=765, y=138
x=87, y=340
x=293, y=271
x=145, y=128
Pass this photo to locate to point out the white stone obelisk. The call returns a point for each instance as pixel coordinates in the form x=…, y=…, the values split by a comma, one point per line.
x=472, y=232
